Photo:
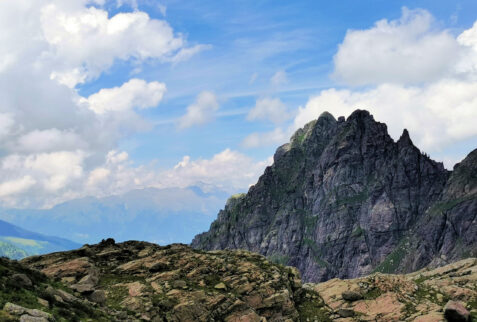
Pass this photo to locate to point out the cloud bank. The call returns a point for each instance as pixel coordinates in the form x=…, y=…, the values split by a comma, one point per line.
x=57, y=145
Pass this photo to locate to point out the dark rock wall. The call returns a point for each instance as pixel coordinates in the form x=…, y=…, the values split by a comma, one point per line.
x=342, y=199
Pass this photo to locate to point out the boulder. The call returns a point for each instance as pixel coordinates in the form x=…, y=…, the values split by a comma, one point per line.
x=14, y=309
x=456, y=312
x=351, y=296
x=22, y=280
x=98, y=296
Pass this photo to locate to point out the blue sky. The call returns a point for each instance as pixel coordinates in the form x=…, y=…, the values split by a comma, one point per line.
x=106, y=96
x=250, y=38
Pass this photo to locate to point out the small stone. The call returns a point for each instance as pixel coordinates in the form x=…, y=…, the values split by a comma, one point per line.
x=29, y=318
x=456, y=312
x=159, y=267
x=43, y=302
x=22, y=280
x=179, y=284
x=351, y=296
x=83, y=288
x=345, y=313
x=220, y=286
x=98, y=296
x=39, y=314
x=58, y=298
x=14, y=309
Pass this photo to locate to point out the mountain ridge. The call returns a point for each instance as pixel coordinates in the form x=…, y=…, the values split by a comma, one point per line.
x=141, y=281
x=17, y=243
x=341, y=198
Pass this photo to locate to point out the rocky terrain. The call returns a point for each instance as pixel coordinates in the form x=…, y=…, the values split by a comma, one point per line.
x=139, y=281
x=343, y=199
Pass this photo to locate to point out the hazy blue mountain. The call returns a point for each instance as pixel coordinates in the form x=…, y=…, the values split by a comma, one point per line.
x=158, y=215
x=16, y=242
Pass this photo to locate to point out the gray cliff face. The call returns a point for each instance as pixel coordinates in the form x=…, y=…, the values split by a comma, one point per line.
x=342, y=199
x=448, y=230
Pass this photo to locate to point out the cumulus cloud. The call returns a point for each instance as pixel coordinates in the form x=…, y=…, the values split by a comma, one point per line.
x=136, y=93
x=271, y=109
x=201, y=111
x=8, y=188
x=87, y=40
x=56, y=145
x=48, y=140
x=406, y=51
x=273, y=138
x=228, y=170
x=425, y=81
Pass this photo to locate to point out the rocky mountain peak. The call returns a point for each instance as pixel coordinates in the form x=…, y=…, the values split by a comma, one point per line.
x=341, y=200
x=405, y=139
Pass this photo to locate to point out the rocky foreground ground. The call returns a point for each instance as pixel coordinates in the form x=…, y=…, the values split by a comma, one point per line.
x=139, y=281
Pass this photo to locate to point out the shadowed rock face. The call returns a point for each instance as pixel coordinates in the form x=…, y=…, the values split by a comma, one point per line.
x=342, y=199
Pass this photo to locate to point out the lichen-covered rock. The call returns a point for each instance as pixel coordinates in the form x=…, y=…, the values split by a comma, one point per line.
x=229, y=286
x=178, y=283
x=29, y=295
x=343, y=199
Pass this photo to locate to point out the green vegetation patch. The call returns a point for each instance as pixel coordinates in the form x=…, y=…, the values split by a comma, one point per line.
x=393, y=260
x=279, y=259
x=26, y=242
x=11, y=251
x=353, y=199
x=311, y=307
x=117, y=294
x=358, y=232
x=444, y=206
x=316, y=253
x=113, y=279
x=373, y=294
x=27, y=297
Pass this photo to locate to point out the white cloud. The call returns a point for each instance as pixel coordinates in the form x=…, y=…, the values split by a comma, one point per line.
x=54, y=143
x=136, y=93
x=279, y=78
x=187, y=53
x=84, y=42
x=273, y=138
x=48, y=140
x=272, y=109
x=8, y=188
x=58, y=167
x=6, y=124
x=132, y=3
x=405, y=51
x=201, y=111
x=162, y=9
x=228, y=170
x=98, y=175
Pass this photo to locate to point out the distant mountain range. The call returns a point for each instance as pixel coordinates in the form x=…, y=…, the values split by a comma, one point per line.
x=343, y=199
x=162, y=216
x=17, y=243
